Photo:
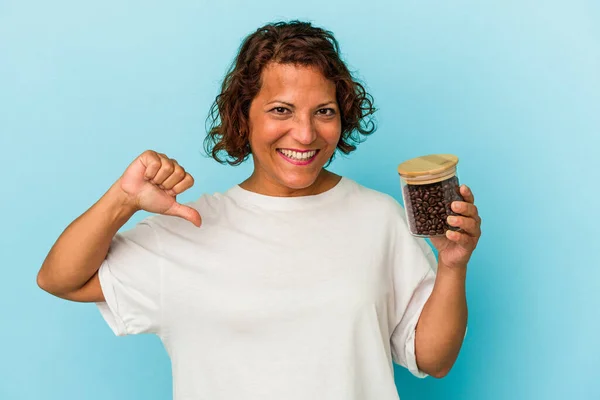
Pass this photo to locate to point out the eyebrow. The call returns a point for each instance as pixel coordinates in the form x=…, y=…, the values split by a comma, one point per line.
x=292, y=106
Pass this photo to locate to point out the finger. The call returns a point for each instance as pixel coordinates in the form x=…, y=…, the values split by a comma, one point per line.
x=467, y=194
x=166, y=169
x=466, y=209
x=151, y=162
x=185, y=212
x=176, y=177
x=184, y=185
x=462, y=239
x=469, y=225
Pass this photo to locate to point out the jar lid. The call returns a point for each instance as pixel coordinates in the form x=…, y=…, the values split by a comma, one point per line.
x=431, y=164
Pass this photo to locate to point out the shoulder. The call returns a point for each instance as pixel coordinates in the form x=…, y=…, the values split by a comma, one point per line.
x=392, y=219
x=377, y=209
x=375, y=200
x=208, y=205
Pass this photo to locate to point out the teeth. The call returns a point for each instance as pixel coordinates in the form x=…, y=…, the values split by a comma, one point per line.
x=300, y=156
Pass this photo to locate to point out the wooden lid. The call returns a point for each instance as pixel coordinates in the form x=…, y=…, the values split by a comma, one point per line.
x=430, y=165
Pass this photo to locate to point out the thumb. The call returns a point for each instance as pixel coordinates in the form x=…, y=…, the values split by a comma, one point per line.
x=185, y=212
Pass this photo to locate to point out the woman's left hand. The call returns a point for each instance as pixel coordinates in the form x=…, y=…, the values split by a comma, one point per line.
x=455, y=249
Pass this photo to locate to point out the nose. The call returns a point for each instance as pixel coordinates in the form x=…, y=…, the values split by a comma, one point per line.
x=305, y=131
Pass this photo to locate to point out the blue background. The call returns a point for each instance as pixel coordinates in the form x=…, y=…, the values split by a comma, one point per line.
x=511, y=87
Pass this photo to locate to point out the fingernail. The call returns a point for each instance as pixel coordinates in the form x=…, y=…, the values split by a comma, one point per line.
x=451, y=220
x=456, y=206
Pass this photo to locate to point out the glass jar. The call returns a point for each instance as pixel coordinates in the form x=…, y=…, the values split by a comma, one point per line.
x=429, y=186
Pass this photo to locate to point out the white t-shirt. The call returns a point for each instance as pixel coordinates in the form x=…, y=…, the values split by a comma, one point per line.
x=275, y=298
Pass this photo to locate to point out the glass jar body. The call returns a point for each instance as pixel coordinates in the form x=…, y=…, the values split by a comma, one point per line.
x=427, y=203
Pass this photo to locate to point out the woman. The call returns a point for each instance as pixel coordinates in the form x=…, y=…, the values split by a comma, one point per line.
x=295, y=284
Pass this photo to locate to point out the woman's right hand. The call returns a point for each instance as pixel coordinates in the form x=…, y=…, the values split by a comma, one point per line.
x=153, y=181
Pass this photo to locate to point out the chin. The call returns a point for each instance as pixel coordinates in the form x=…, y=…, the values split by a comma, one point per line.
x=299, y=182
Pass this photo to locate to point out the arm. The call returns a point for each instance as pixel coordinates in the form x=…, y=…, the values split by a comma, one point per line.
x=443, y=322
x=441, y=328
x=70, y=269
x=151, y=183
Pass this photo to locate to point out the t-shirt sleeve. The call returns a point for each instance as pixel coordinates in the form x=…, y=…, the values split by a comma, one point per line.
x=131, y=281
x=414, y=271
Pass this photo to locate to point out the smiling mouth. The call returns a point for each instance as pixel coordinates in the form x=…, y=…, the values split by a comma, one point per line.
x=298, y=157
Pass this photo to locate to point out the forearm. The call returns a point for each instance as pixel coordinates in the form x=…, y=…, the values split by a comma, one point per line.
x=442, y=324
x=82, y=247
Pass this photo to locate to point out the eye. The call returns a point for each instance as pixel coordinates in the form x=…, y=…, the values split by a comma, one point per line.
x=279, y=110
x=326, y=112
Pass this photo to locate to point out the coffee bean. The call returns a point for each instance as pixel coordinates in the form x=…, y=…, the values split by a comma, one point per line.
x=428, y=206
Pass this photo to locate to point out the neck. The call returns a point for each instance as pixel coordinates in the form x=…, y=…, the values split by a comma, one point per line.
x=325, y=181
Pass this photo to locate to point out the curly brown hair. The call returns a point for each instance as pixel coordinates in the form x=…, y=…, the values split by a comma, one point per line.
x=293, y=42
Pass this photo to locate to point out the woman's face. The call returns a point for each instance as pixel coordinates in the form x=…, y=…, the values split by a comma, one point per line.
x=294, y=129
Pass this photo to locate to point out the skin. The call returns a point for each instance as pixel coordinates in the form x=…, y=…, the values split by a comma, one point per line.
x=295, y=109
x=442, y=325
